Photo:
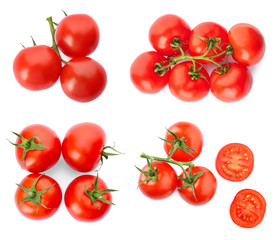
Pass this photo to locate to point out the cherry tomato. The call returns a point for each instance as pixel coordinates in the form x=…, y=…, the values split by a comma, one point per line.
x=38, y=196
x=248, y=44
x=187, y=84
x=77, y=35
x=142, y=73
x=83, y=79
x=37, y=68
x=204, y=187
x=82, y=146
x=79, y=201
x=165, y=184
x=164, y=30
x=247, y=209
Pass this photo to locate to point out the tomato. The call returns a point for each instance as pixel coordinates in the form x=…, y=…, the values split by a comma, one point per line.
x=248, y=44
x=235, y=162
x=198, y=47
x=142, y=73
x=38, y=196
x=247, y=209
x=77, y=35
x=84, y=199
x=37, y=68
x=232, y=86
x=38, y=148
x=164, y=30
x=187, y=87
x=165, y=184
x=83, y=79
x=82, y=146
x=192, y=138
x=204, y=187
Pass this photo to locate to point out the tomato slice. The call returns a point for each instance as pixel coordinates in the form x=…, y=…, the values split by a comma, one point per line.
x=248, y=208
x=235, y=162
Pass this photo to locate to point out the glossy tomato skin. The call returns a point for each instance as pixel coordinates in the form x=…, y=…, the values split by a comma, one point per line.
x=164, y=186
x=77, y=35
x=183, y=87
x=165, y=29
x=37, y=68
x=37, y=161
x=82, y=146
x=204, y=187
x=142, y=73
x=232, y=86
x=83, y=79
x=51, y=198
x=79, y=204
x=248, y=44
x=193, y=139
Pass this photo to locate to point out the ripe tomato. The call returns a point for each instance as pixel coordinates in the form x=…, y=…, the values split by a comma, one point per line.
x=82, y=146
x=83, y=79
x=248, y=44
x=247, y=209
x=192, y=138
x=188, y=85
x=164, y=30
x=198, y=47
x=77, y=35
x=38, y=196
x=204, y=187
x=84, y=199
x=142, y=73
x=235, y=162
x=37, y=159
x=232, y=86
x=165, y=184
x=37, y=68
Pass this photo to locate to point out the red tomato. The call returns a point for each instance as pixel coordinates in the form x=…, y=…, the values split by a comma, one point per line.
x=82, y=146
x=80, y=202
x=198, y=47
x=186, y=87
x=232, y=86
x=38, y=160
x=37, y=68
x=248, y=44
x=39, y=197
x=142, y=73
x=77, y=35
x=165, y=184
x=235, y=162
x=83, y=79
x=204, y=187
x=193, y=139
x=164, y=30
x=247, y=209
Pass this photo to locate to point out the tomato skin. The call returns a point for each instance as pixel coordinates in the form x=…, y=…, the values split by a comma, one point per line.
x=183, y=87
x=248, y=44
x=205, y=187
x=77, y=35
x=164, y=186
x=37, y=161
x=83, y=79
x=165, y=29
x=80, y=206
x=51, y=198
x=142, y=73
x=82, y=146
x=37, y=68
x=232, y=86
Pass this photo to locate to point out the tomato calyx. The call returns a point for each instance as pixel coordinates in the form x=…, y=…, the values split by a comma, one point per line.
x=151, y=174
x=106, y=155
x=176, y=44
x=222, y=69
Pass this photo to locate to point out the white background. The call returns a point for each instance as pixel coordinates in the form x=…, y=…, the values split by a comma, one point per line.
x=134, y=121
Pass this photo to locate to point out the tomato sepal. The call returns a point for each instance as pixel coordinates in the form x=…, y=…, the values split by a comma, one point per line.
x=151, y=174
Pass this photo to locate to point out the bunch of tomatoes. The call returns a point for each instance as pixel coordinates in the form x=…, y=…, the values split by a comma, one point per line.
x=182, y=56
